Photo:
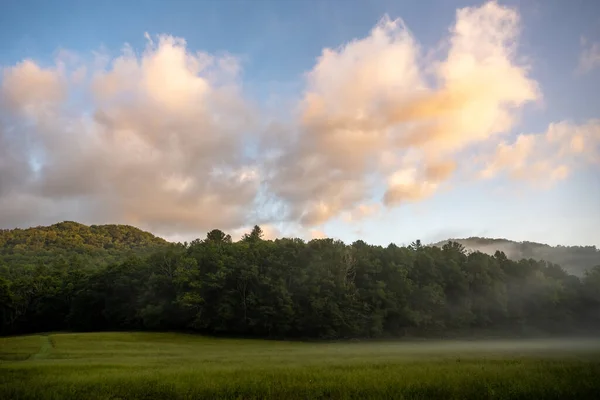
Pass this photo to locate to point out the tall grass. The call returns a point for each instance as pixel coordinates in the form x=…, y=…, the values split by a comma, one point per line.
x=173, y=366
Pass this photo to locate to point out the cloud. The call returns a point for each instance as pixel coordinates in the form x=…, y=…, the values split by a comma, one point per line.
x=27, y=86
x=361, y=212
x=589, y=58
x=159, y=145
x=407, y=185
x=165, y=138
x=317, y=234
x=548, y=156
x=377, y=110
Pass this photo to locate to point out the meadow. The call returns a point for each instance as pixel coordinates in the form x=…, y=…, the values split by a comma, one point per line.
x=181, y=366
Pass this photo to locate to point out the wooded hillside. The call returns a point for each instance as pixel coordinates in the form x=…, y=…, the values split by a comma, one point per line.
x=74, y=243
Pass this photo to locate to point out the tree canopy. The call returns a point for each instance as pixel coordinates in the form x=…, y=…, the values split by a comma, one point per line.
x=283, y=288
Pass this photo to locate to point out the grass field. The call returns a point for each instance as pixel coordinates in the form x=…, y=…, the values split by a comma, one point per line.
x=178, y=366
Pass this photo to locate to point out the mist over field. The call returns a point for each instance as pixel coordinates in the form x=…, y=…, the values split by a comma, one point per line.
x=176, y=366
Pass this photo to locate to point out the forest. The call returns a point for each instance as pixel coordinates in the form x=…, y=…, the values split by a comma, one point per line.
x=71, y=277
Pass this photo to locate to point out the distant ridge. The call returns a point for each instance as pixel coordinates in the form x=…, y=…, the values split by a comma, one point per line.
x=75, y=242
x=574, y=259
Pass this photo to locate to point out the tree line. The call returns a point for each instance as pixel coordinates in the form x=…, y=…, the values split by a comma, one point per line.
x=289, y=288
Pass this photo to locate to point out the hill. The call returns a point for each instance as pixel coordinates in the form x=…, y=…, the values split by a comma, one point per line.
x=75, y=242
x=574, y=259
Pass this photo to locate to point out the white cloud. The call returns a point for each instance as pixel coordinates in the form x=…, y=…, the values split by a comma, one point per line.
x=589, y=58
x=162, y=149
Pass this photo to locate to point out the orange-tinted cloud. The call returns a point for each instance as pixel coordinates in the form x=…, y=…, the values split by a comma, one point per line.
x=28, y=85
x=547, y=156
x=371, y=113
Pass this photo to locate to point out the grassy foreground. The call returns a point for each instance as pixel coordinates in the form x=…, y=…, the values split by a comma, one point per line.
x=178, y=366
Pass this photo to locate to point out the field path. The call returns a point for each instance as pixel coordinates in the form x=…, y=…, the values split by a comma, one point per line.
x=45, y=348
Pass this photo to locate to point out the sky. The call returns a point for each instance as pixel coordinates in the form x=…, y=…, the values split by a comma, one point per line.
x=385, y=121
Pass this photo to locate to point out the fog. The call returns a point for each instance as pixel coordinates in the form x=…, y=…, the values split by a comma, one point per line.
x=573, y=259
x=531, y=347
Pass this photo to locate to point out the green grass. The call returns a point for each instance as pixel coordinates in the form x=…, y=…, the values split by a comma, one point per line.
x=178, y=366
x=19, y=348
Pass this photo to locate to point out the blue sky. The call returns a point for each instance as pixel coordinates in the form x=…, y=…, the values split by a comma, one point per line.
x=276, y=43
